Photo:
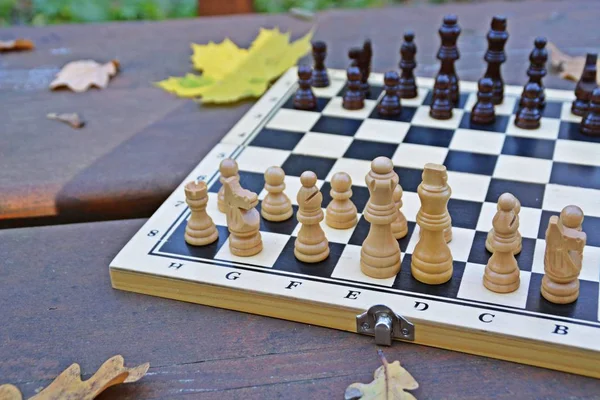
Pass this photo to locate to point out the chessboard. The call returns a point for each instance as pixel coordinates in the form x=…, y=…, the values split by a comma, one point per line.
x=546, y=169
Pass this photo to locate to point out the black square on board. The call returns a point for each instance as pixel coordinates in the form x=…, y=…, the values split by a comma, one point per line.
x=296, y=164
x=176, y=244
x=277, y=139
x=584, y=308
x=374, y=92
x=591, y=227
x=321, y=103
x=480, y=255
x=499, y=125
x=360, y=196
x=570, y=130
x=252, y=181
x=552, y=109
x=527, y=147
x=586, y=176
x=405, y=280
x=462, y=99
x=288, y=262
x=284, y=227
x=464, y=213
x=369, y=150
x=360, y=232
x=429, y=136
x=406, y=115
x=337, y=126
x=410, y=178
x=461, y=161
x=529, y=194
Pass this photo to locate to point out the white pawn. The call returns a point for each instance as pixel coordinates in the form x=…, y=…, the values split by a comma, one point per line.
x=311, y=245
x=341, y=212
x=399, y=226
x=276, y=206
x=227, y=168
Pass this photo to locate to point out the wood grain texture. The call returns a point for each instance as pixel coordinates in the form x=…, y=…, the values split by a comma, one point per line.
x=140, y=142
x=57, y=307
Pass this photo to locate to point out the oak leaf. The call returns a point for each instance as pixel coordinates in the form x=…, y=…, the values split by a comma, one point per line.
x=79, y=76
x=570, y=68
x=230, y=73
x=16, y=45
x=389, y=383
x=69, y=386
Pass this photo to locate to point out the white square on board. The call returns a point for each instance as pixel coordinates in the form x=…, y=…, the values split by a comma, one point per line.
x=335, y=109
x=467, y=186
x=330, y=91
x=378, y=130
x=417, y=101
x=549, y=128
x=422, y=118
x=323, y=145
x=471, y=287
x=556, y=197
x=474, y=141
x=333, y=235
x=212, y=208
x=460, y=245
x=410, y=205
x=590, y=268
x=506, y=108
x=417, y=155
x=523, y=169
x=357, y=169
x=348, y=267
x=258, y=159
x=575, y=152
x=293, y=120
x=567, y=115
x=273, y=244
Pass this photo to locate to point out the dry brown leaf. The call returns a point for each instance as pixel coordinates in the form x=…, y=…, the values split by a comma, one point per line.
x=570, y=68
x=71, y=119
x=389, y=383
x=69, y=386
x=16, y=45
x=79, y=76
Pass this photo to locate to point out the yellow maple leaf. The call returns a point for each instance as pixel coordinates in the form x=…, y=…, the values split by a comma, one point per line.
x=230, y=74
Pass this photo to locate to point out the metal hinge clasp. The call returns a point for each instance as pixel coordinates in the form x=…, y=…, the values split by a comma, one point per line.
x=383, y=323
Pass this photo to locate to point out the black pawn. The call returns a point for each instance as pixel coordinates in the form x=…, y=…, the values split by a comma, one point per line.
x=407, y=85
x=495, y=56
x=585, y=86
x=529, y=114
x=537, y=66
x=441, y=107
x=320, y=78
x=448, y=53
x=590, y=124
x=483, y=111
x=353, y=98
x=389, y=106
x=304, y=98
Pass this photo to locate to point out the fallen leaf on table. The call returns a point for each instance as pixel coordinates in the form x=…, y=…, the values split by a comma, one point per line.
x=70, y=118
x=69, y=386
x=16, y=45
x=569, y=67
x=79, y=76
x=389, y=383
x=230, y=73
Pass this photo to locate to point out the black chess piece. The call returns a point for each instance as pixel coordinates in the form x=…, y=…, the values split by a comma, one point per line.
x=320, y=78
x=585, y=86
x=590, y=123
x=304, y=98
x=529, y=114
x=353, y=98
x=495, y=56
x=354, y=54
x=537, y=66
x=389, y=106
x=365, y=66
x=483, y=110
x=448, y=53
x=407, y=88
x=441, y=107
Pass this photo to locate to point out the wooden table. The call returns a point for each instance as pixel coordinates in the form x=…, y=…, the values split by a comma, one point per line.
x=57, y=307
x=140, y=142
x=56, y=302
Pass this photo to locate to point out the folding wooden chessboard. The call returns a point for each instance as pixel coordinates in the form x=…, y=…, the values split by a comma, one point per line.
x=546, y=169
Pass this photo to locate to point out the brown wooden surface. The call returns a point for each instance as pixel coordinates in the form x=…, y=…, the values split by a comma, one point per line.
x=57, y=307
x=220, y=7
x=140, y=142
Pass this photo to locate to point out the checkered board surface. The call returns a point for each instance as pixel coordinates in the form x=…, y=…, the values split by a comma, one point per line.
x=546, y=169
